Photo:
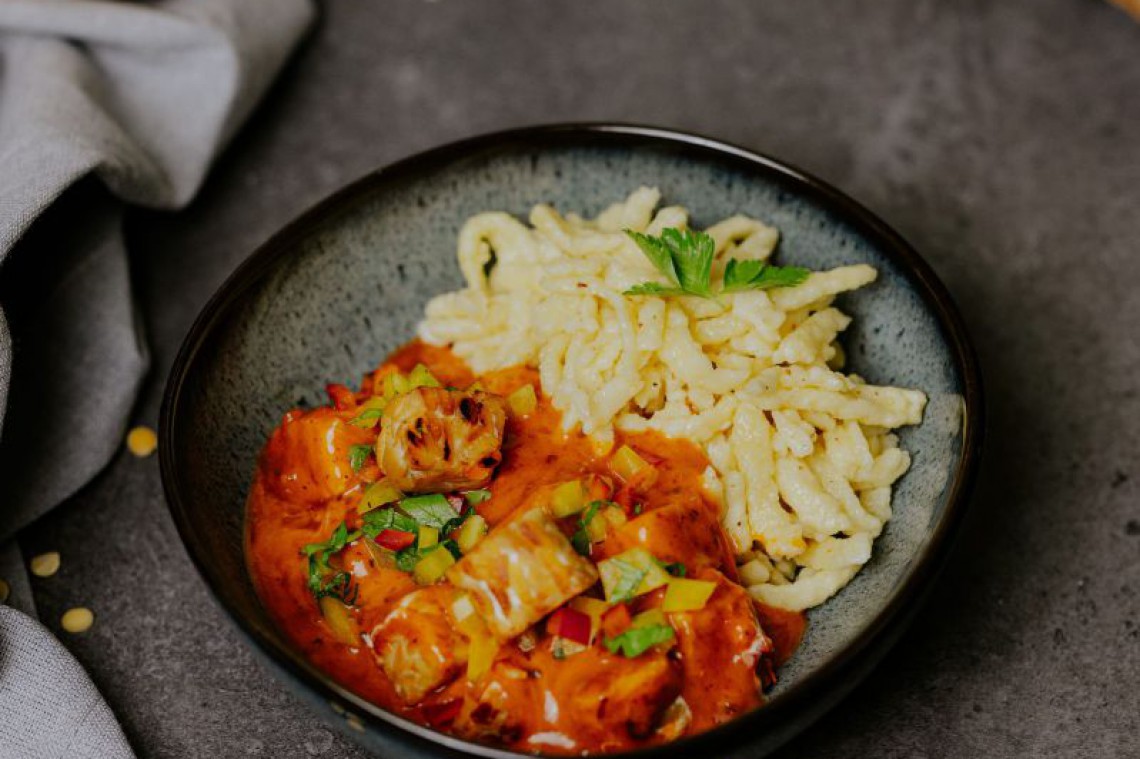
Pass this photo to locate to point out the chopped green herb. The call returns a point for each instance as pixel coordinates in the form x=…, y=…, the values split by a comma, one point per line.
x=339, y=539
x=685, y=258
x=637, y=509
x=378, y=520
x=406, y=558
x=336, y=584
x=675, y=568
x=452, y=546
x=431, y=510
x=476, y=497
x=454, y=524
x=629, y=578
x=367, y=418
x=581, y=537
x=637, y=640
x=324, y=580
x=358, y=456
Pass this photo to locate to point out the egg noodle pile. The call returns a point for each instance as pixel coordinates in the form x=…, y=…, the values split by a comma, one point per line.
x=802, y=455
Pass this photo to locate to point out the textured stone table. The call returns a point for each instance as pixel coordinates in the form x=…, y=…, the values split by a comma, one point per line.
x=1000, y=138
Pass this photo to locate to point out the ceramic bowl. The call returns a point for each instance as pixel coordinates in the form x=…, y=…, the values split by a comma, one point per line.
x=332, y=293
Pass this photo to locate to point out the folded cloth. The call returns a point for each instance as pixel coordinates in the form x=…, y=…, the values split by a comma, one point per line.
x=142, y=97
x=64, y=713
x=102, y=103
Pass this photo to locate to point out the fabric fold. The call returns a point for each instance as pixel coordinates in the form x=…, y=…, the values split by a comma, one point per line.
x=63, y=715
x=102, y=103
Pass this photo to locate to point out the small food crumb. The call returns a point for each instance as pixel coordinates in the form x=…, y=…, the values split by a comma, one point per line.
x=77, y=620
x=354, y=722
x=141, y=441
x=5, y=591
x=46, y=564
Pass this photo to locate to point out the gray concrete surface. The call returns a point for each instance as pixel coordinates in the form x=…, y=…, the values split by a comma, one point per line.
x=1000, y=138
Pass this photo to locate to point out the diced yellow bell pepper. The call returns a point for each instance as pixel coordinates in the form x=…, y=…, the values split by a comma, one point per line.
x=466, y=618
x=471, y=532
x=606, y=519
x=687, y=595
x=598, y=527
x=627, y=464
x=568, y=498
x=481, y=652
x=433, y=566
x=616, y=571
x=421, y=377
x=379, y=493
x=482, y=645
x=339, y=620
x=649, y=618
x=395, y=384
x=523, y=401
x=615, y=517
x=428, y=536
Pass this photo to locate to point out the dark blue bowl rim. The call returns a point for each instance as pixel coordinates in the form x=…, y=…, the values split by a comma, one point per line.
x=844, y=667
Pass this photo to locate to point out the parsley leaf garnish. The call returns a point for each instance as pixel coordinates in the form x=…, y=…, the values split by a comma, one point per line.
x=637, y=640
x=757, y=275
x=653, y=288
x=358, y=456
x=685, y=258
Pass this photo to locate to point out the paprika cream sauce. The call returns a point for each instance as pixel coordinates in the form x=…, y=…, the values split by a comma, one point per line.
x=531, y=699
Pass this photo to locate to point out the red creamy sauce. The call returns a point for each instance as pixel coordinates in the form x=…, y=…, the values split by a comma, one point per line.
x=593, y=701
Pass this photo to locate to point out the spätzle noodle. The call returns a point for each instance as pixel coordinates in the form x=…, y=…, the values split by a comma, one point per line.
x=801, y=455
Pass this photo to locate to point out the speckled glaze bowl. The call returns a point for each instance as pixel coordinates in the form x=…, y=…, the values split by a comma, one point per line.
x=331, y=294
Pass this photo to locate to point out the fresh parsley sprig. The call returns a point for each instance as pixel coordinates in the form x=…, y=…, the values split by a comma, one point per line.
x=685, y=258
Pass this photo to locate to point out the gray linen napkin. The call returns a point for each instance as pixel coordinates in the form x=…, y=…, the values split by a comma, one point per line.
x=101, y=103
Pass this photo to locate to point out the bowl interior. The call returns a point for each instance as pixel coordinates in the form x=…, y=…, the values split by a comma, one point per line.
x=331, y=295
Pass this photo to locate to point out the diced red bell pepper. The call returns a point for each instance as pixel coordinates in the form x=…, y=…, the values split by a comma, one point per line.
x=598, y=488
x=616, y=620
x=570, y=624
x=438, y=715
x=394, y=540
x=341, y=396
x=624, y=498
